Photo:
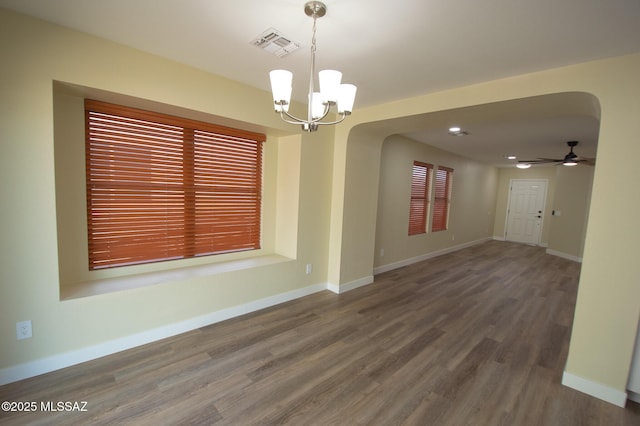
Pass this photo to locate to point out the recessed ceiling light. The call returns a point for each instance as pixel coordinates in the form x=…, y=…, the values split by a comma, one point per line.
x=523, y=165
x=510, y=157
x=454, y=129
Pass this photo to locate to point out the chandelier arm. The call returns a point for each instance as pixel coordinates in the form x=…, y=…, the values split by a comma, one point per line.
x=327, y=108
x=340, y=120
x=293, y=119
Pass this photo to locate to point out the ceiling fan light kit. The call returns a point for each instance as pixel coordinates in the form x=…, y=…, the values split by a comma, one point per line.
x=570, y=158
x=332, y=91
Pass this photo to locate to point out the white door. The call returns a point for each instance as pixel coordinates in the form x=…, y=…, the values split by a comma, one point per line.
x=526, y=205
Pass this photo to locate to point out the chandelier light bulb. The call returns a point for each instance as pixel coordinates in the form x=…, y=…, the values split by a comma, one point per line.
x=317, y=105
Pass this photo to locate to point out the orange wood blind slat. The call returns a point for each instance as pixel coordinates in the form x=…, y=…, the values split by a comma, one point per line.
x=419, y=206
x=162, y=187
x=442, y=192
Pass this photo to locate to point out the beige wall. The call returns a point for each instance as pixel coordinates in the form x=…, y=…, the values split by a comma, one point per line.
x=41, y=202
x=471, y=211
x=337, y=195
x=608, y=303
x=281, y=170
x=479, y=206
x=571, y=203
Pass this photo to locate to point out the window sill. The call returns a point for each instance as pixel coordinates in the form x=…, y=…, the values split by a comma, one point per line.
x=111, y=285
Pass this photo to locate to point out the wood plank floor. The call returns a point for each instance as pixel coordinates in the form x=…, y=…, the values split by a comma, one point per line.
x=479, y=336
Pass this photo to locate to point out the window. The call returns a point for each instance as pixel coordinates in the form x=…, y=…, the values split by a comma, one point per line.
x=162, y=187
x=442, y=199
x=419, y=208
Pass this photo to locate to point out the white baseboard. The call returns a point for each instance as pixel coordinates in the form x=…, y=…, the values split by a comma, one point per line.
x=564, y=255
x=540, y=244
x=597, y=390
x=633, y=396
x=56, y=362
x=412, y=260
x=352, y=285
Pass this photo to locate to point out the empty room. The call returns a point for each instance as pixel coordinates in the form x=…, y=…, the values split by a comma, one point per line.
x=334, y=213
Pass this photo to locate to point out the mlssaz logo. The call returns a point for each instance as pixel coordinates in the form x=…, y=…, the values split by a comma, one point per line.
x=63, y=406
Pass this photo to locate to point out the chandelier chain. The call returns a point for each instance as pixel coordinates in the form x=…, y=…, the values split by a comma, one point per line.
x=312, y=68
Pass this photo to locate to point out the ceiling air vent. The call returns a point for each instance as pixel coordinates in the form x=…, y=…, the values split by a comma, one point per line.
x=274, y=42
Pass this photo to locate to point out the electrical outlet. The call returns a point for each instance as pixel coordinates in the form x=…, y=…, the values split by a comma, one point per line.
x=309, y=268
x=23, y=330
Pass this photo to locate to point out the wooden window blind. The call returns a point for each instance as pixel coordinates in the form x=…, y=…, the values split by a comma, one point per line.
x=442, y=199
x=161, y=187
x=419, y=208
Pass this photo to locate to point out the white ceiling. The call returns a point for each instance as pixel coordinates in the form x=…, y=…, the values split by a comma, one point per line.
x=390, y=49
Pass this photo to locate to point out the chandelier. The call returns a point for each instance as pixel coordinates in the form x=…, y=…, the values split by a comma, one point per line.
x=332, y=92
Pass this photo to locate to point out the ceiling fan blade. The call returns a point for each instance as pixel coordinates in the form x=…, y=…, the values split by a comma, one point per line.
x=571, y=157
x=587, y=161
x=540, y=161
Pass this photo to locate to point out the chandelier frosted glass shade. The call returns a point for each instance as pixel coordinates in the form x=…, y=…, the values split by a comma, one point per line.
x=281, y=88
x=329, y=84
x=332, y=92
x=346, y=98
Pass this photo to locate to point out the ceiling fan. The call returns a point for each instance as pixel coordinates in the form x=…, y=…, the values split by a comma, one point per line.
x=571, y=159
